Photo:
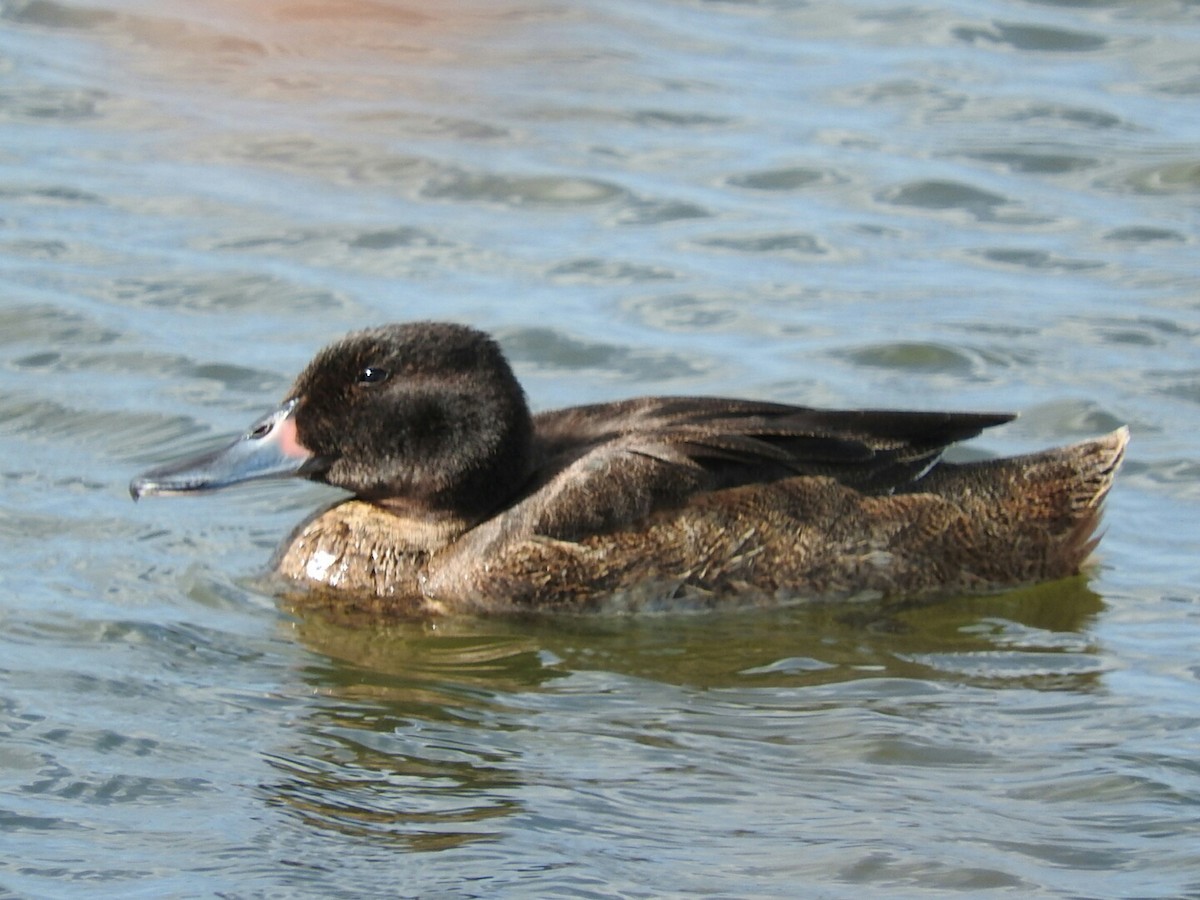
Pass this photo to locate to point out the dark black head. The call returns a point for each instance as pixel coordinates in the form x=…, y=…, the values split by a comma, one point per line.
x=426, y=415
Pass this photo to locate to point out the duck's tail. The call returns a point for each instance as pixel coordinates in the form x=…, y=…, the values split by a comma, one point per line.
x=1074, y=482
x=1039, y=514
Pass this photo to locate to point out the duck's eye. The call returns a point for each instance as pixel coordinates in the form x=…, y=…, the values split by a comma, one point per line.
x=373, y=375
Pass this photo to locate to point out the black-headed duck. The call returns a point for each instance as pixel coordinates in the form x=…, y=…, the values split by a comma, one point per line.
x=463, y=501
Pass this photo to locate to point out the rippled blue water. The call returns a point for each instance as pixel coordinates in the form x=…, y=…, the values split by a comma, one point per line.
x=982, y=204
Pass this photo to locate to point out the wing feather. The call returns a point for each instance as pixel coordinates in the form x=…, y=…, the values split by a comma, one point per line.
x=741, y=441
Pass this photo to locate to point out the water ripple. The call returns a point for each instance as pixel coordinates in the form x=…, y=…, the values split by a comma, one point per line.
x=975, y=206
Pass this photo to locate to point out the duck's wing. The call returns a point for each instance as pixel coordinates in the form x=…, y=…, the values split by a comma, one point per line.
x=600, y=468
x=741, y=442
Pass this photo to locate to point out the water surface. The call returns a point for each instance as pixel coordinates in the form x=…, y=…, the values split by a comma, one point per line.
x=979, y=205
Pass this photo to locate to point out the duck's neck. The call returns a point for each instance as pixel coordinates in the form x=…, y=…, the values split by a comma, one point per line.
x=423, y=530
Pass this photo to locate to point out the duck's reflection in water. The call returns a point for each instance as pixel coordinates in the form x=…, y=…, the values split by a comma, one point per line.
x=434, y=733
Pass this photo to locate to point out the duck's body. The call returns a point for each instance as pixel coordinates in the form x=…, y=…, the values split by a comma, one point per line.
x=464, y=502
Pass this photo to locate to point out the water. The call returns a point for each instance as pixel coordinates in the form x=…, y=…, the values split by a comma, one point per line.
x=983, y=204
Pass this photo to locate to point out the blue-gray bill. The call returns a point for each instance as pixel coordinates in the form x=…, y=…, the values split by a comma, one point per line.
x=269, y=449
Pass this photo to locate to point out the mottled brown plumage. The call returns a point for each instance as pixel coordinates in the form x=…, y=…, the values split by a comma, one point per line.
x=466, y=503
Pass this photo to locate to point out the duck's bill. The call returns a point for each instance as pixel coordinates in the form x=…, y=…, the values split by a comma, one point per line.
x=269, y=449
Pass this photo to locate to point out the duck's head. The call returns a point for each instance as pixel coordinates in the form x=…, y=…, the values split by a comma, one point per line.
x=426, y=417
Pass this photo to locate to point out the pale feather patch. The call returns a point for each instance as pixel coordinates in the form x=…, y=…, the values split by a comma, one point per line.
x=318, y=566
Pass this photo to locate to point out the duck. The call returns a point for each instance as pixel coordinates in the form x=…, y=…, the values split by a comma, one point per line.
x=463, y=501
